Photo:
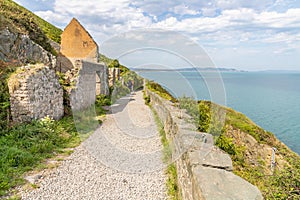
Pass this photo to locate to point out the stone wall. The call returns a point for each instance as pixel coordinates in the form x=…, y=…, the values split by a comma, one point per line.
x=204, y=171
x=83, y=95
x=114, y=75
x=102, y=86
x=35, y=92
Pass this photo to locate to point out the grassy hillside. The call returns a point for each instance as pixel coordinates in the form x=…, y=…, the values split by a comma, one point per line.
x=250, y=148
x=113, y=63
x=39, y=31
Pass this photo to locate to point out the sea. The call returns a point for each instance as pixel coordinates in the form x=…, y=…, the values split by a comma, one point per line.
x=271, y=99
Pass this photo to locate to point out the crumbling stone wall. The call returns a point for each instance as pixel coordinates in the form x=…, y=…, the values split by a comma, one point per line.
x=114, y=75
x=35, y=92
x=204, y=172
x=83, y=95
x=78, y=59
x=102, y=86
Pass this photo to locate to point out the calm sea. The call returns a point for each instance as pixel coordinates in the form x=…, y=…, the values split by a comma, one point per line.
x=271, y=100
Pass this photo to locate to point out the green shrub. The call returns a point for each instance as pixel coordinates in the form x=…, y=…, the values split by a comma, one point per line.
x=103, y=100
x=204, y=117
x=226, y=144
x=190, y=105
x=147, y=99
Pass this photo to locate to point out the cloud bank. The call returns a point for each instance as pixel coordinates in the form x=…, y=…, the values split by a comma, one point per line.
x=229, y=30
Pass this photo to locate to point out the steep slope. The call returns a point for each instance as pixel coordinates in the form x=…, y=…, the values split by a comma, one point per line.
x=25, y=37
x=257, y=155
x=28, y=22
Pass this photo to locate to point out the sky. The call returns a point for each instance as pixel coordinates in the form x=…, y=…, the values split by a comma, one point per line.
x=242, y=34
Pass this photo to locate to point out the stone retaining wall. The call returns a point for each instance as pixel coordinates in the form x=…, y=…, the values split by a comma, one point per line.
x=204, y=171
x=35, y=92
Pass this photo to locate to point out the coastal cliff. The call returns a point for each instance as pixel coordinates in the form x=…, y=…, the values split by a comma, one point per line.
x=257, y=155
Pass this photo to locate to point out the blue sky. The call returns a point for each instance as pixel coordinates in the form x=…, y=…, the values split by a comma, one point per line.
x=243, y=34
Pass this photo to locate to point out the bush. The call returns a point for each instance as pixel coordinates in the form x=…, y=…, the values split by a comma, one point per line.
x=226, y=144
x=190, y=105
x=204, y=117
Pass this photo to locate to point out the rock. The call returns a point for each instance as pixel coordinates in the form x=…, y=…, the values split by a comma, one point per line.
x=33, y=179
x=217, y=184
x=214, y=158
x=18, y=47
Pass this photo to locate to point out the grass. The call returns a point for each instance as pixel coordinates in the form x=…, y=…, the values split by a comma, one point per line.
x=21, y=19
x=24, y=146
x=155, y=87
x=113, y=63
x=88, y=120
x=284, y=183
x=172, y=185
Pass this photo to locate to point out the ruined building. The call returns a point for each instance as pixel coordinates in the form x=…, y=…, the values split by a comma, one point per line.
x=76, y=44
x=80, y=52
x=35, y=90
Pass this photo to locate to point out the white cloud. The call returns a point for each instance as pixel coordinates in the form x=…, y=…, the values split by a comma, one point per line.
x=208, y=12
x=53, y=17
x=183, y=9
x=216, y=23
x=242, y=24
x=289, y=19
x=237, y=4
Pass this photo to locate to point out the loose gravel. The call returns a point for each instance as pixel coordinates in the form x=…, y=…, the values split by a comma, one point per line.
x=122, y=159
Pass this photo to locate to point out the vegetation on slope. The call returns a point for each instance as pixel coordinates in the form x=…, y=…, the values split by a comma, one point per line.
x=250, y=149
x=248, y=145
x=28, y=23
x=155, y=87
x=110, y=63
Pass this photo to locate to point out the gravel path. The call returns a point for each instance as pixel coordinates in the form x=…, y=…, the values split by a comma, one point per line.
x=121, y=160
